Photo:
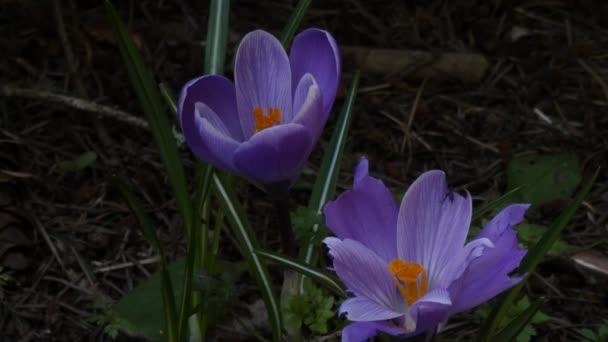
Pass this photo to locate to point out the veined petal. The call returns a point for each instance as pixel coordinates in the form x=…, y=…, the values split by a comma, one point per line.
x=262, y=78
x=432, y=225
x=429, y=311
x=216, y=146
x=367, y=214
x=309, y=106
x=364, y=273
x=217, y=92
x=363, y=309
x=316, y=52
x=361, y=331
x=273, y=155
x=488, y=275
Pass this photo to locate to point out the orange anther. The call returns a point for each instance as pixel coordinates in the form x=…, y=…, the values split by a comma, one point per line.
x=262, y=121
x=410, y=278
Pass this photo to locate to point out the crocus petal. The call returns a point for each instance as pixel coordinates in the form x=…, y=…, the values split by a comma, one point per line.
x=262, y=77
x=429, y=311
x=367, y=214
x=432, y=225
x=213, y=144
x=217, y=92
x=363, y=309
x=274, y=155
x=364, y=273
x=309, y=105
x=488, y=275
x=316, y=52
x=361, y=331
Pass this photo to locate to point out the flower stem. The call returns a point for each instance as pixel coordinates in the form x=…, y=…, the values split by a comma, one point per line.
x=280, y=201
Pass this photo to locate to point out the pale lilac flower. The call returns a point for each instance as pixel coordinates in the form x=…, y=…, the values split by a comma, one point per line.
x=264, y=126
x=409, y=268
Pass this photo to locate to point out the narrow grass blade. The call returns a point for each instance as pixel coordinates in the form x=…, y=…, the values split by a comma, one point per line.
x=514, y=328
x=317, y=275
x=196, y=248
x=217, y=36
x=149, y=231
x=533, y=258
x=150, y=100
x=497, y=203
x=325, y=185
x=294, y=22
x=248, y=245
x=169, y=97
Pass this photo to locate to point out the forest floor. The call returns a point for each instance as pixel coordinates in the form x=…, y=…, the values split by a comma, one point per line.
x=520, y=78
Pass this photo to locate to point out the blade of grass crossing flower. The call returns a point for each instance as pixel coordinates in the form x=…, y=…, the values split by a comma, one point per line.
x=149, y=98
x=294, y=22
x=533, y=258
x=325, y=185
x=495, y=204
x=217, y=36
x=149, y=231
x=248, y=245
x=324, y=279
x=514, y=328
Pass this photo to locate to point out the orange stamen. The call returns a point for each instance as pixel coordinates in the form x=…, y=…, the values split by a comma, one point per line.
x=410, y=278
x=262, y=121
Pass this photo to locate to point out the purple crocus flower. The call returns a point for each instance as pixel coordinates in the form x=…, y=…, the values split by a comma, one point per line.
x=263, y=126
x=409, y=268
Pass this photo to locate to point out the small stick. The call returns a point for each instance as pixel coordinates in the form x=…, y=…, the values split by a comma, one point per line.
x=87, y=106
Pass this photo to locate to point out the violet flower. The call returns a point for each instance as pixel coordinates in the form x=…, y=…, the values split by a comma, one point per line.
x=264, y=126
x=409, y=268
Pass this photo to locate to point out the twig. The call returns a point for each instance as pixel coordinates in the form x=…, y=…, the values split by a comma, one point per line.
x=147, y=261
x=87, y=106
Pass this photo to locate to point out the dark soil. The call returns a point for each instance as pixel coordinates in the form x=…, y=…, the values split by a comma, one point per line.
x=545, y=91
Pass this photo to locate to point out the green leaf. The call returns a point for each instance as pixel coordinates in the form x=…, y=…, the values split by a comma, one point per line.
x=520, y=328
x=302, y=219
x=544, y=178
x=534, y=257
x=311, y=308
x=319, y=276
x=515, y=311
x=294, y=22
x=217, y=36
x=166, y=288
x=248, y=245
x=138, y=313
x=529, y=234
x=81, y=162
x=325, y=185
x=150, y=99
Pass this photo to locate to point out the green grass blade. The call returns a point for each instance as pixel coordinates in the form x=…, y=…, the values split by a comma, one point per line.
x=533, y=258
x=294, y=22
x=169, y=97
x=248, y=245
x=217, y=36
x=150, y=100
x=512, y=330
x=196, y=248
x=325, y=185
x=317, y=275
x=497, y=203
x=149, y=231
